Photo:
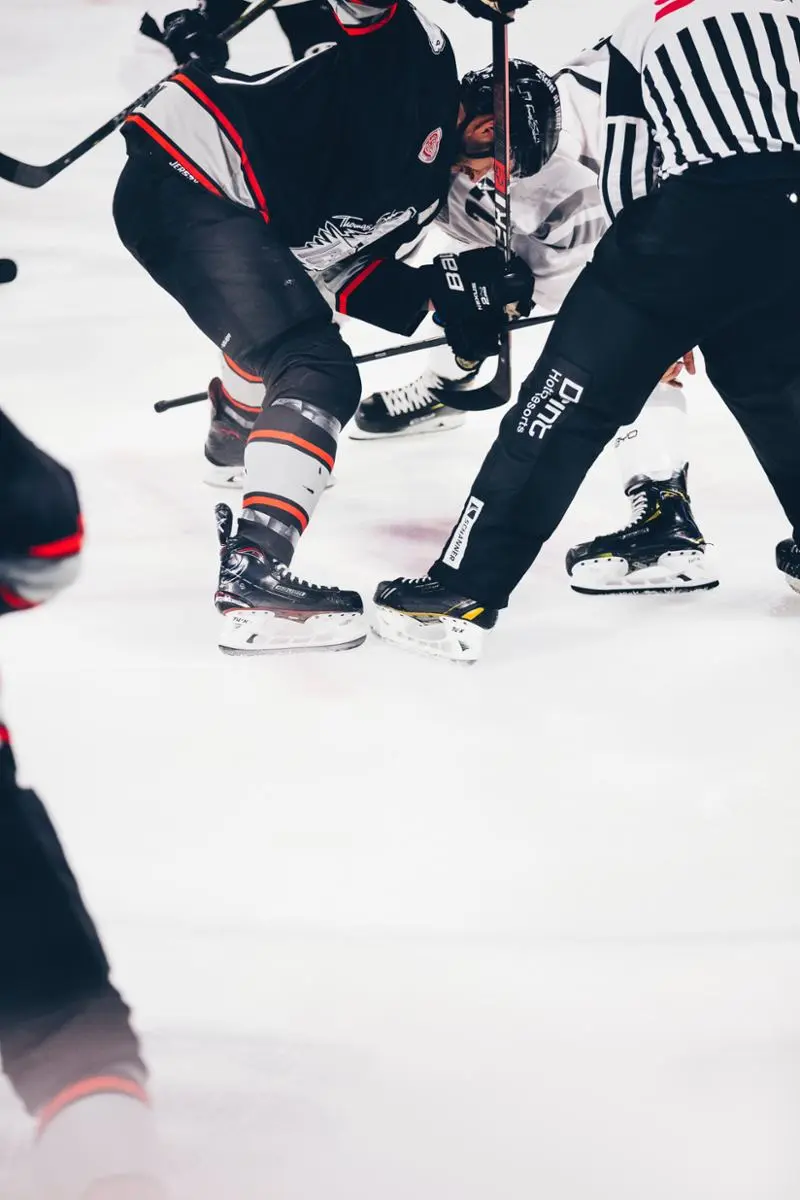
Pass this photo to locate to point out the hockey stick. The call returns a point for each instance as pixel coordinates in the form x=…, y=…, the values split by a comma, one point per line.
x=374, y=356
x=501, y=385
x=30, y=176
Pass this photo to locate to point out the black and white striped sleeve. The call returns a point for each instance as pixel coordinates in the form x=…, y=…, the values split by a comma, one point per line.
x=627, y=169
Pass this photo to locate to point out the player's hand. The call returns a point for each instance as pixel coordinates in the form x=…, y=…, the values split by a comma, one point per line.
x=190, y=37
x=473, y=295
x=492, y=10
x=686, y=363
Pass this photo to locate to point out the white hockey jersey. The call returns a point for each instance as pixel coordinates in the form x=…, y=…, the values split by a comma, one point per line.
x=557, y=216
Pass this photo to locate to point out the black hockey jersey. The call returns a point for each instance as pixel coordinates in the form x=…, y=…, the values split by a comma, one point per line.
x=347, y=153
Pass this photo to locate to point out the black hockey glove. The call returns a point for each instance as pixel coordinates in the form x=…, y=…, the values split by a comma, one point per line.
x=492, y=10
x=473, y=296
x=190, y=36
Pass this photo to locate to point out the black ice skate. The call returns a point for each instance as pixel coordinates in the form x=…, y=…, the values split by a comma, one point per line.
x=662, y=550
x=226, y=441
x=265, y=608
x=419, y=407
x=426, y=616
x=787, y=556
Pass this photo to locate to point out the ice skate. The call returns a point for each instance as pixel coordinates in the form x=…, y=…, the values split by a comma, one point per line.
x=662, y=550
x=787, y=556
x=423, y=615
x=418, y=407
x=226, y=441
x=264, y=608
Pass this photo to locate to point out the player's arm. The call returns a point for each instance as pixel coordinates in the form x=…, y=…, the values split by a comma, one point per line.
x=469, y=292
x=627, y=171
x=40, y=523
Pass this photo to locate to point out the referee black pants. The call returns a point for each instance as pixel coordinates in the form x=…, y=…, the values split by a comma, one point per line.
x=708, y=261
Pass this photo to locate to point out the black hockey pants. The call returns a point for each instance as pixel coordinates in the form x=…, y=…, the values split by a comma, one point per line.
x=707, y=261
x=238, y=282
x=61, y=1021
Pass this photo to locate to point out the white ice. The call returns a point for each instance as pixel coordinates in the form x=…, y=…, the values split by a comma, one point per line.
x=393, y=928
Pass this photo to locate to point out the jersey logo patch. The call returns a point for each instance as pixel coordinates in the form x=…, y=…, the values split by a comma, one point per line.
x=430, y=147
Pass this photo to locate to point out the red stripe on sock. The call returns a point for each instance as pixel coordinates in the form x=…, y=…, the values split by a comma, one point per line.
x=98, y=1085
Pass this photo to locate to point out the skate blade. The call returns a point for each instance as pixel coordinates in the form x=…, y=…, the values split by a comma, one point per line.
x=224, y=477
x=441, y=637
x=449, y=420
x=675, y=571
x=256, y=631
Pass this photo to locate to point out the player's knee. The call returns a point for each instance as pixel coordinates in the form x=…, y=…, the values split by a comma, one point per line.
x=313, y=362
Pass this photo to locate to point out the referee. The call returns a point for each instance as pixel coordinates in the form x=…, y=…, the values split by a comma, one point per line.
x=701, y=179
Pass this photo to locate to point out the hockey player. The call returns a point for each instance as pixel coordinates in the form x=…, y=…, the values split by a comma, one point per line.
x=65, y=1036
x=710, y=87
x=558, y=218
x=237, y=191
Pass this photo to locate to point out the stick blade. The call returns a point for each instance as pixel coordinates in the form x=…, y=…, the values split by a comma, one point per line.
x=23, y=174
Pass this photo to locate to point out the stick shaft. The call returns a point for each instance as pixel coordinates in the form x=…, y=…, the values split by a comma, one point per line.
x=30, y=176
x=373, y=356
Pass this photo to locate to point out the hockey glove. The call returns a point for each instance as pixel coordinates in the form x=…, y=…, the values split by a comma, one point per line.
x=190, y=37
x=473, y=296
x=492, y=10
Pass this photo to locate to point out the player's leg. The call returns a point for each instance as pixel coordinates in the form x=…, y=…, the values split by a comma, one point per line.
x=597, y=369
x=237, y=398
x=241, y=285
x=662, y=548
x=65, y=1035
x=755, y=366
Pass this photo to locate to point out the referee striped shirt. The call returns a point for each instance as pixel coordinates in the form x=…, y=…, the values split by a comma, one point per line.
x=695, y=81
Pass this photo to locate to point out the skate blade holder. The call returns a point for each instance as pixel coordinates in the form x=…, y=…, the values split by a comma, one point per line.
x=675, y=571
x=262, y=631
x=441, y=637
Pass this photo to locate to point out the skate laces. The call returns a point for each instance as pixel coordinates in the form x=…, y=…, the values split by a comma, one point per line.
x=412, y=397
x=286, y=576
x=640, y=505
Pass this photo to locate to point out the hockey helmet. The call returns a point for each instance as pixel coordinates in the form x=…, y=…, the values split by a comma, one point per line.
x=534, y=109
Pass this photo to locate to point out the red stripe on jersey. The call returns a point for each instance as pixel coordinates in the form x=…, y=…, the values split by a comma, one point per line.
x=359, y=30
x=15, y=601
x=185, y=162
x=61, y=548
x=671, y=7
x=5, y=736
x=344, y=296
x=233, y=134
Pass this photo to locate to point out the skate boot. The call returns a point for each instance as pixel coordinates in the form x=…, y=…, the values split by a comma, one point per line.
x=226, y=441
x=787, y=556
x=419, y=407
x=265, y=608
x=662, y=550
x=423, y=615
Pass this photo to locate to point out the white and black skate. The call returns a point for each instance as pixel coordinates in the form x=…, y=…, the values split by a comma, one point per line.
x=426, y=616
x=418, y=407
x=662, y=550
x=264, y=608
x=787, y=556
x=226, y=441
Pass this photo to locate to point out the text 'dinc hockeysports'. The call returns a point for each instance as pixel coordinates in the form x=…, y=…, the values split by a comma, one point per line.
x=564, y=384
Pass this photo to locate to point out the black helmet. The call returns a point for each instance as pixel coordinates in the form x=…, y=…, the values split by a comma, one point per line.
x=535, y=111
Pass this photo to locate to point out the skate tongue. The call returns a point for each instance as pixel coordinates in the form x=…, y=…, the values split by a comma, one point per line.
x=636, y=483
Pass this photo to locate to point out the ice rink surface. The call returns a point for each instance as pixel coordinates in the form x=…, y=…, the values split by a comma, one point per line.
x=394, y=928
